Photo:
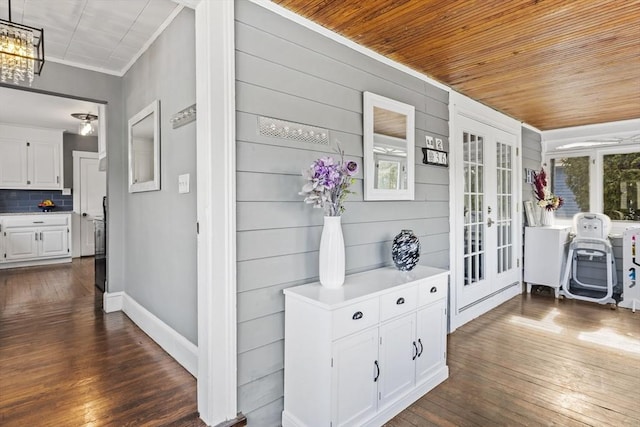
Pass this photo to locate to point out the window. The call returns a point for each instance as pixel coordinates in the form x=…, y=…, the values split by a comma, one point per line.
x=604, y=180
x=621, y=185
x=570, y=180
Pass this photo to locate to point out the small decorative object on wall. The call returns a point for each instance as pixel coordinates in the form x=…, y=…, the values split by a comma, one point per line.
x=529, y=213
x=326, y=188
x=429, y=141
x=295, y=131
x=548, y=201
x=435, y=157
x=183, y=117
x=405, y=250
x=528, y=175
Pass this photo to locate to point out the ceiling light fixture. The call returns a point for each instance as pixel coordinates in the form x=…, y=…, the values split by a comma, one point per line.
x=21, y=51
x=85, y=128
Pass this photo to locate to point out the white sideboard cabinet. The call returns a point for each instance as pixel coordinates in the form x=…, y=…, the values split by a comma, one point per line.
x=360, y=354
x=38, y=239
x=545, y=255
x=30, y=158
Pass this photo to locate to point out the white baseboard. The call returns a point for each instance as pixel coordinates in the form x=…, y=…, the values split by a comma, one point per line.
x=34, y=262
x=112, y=301
x=178, y=347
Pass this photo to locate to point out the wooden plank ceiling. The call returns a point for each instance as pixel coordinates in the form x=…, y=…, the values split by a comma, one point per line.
x=551, y=64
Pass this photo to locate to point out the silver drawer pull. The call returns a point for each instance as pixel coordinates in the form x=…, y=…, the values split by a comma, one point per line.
x=400, y=301
x=38, y=222
x=434, y=290
x=357, y=315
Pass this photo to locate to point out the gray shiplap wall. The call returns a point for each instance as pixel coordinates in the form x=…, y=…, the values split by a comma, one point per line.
x=291, y=73
x=531, y=159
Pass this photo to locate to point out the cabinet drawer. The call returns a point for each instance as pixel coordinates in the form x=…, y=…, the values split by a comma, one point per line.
x=356, y=317
x=432, y=290
x=35, y=221
x=398, y=302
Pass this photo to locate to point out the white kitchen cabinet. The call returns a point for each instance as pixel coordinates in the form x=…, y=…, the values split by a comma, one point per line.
x=30, y=159
x=545, y=255
x=45, y=165
x=360, y=354
x=13, y=163
x=35, y=239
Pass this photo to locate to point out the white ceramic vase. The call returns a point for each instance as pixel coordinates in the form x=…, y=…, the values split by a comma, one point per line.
x=547, y=217
x=331, y=261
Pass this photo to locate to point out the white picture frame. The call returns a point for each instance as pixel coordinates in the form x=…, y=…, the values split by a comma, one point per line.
x=529, y=211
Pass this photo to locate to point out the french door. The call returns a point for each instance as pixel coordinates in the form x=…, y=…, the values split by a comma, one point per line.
x=487, y=225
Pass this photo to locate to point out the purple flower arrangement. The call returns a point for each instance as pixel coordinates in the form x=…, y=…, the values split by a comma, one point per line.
x=328, y=183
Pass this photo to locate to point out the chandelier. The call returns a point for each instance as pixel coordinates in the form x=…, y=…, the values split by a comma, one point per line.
x=21, y=51
x=85, y=128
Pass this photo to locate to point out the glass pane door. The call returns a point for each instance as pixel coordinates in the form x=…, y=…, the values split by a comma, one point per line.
x=474, y=229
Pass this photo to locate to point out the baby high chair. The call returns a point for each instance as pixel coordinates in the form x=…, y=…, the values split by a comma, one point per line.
x=590, y=249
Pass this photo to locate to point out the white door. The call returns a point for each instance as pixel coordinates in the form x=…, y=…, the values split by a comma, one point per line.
x=487, y=209
x=398, y=351
x=90, y=186
x=354, y=378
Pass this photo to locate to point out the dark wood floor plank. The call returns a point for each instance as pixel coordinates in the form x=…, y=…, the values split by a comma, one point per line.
x=539, y=361
x=64, y=363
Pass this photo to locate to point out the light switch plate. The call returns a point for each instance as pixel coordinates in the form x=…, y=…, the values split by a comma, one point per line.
x=183, y=183
x=66, y=191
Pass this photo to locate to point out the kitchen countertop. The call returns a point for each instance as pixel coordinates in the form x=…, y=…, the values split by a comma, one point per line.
x=35, y=213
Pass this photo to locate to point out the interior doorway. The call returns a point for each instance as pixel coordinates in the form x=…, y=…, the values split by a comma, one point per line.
x=89, y=189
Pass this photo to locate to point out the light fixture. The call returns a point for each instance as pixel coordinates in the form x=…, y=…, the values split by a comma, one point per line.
x=21, y=51
x=85, y=128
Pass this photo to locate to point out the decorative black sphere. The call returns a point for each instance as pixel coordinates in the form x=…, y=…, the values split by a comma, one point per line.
x=405, y=250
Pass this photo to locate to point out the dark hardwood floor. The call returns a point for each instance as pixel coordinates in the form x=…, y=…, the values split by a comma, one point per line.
x=537, y=361
x=64, y=363
x=533, y=361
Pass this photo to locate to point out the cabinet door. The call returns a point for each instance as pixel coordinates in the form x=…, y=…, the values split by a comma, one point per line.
x=398, y=350
x=354, y=378
x=21, y=243
x=44, y=165
x=432, y=336
x=13, y=163
x=54, y=241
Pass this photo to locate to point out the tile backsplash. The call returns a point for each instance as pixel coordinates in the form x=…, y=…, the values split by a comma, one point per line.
x=15, y=201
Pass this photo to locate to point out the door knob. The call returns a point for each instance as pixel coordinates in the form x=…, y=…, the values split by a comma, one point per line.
x=489, y=222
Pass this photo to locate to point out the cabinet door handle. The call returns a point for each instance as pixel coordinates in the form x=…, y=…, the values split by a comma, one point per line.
x=375, y=362
x=421, y=347
x=434, y=290
x=41, y=235
x=57, y=179
x=400, y=301
x=415, y=348
x=36, y=235
x=357, y=315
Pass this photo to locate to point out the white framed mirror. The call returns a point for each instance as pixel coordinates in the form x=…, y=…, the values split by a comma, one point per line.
x=144, y=149
x=389, y=132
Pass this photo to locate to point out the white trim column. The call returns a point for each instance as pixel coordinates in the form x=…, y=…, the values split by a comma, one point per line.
x=215, y=98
